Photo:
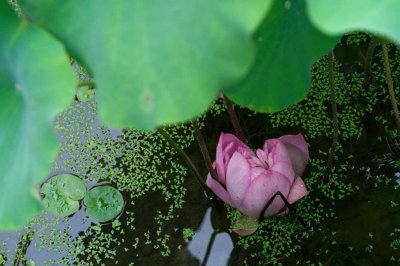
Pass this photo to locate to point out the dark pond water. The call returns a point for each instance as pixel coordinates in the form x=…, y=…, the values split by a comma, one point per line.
x=352, y=212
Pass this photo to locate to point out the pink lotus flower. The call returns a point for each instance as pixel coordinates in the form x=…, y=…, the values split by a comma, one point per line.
x=248, y=180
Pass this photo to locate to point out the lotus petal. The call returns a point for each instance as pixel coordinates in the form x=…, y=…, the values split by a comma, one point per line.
x=238, y=177
x=298, y=152
x=227, y=145
x=219, y=190
x=297, y=191
x=260, y=192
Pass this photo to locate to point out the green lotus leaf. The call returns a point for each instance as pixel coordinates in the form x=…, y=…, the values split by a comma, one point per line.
x=103, y=203
x=287, y=46
x=157, y=61
x=336, y=17
x=36, y=83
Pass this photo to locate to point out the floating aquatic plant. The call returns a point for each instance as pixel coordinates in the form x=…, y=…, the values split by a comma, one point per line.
x=103, y=203
x=85, y=92
x=30, y=262
x=62, y=193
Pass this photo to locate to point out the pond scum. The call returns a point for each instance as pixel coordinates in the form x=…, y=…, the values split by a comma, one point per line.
x=145, y=168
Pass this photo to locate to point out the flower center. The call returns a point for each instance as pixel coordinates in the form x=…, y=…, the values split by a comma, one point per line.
x=263, y=157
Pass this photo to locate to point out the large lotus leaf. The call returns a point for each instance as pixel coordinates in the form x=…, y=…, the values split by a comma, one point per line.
x=287, y=45
x=36, y=82
x=103, y=203
x=156, y=61
x=340, y=16
x=61, y=194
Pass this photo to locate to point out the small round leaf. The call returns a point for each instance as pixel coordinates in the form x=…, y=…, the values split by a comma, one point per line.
x=84, y=94
x=103, y=203
x=62, y=194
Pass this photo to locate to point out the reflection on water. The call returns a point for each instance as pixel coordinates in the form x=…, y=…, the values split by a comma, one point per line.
x=206, y=241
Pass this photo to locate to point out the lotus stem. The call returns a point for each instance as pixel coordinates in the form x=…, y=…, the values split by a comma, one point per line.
x=22, y=246
x=234, y=118
x=368, y=78
x=390, y=85
x=185, y=157
x=335, y=119
x=204, y=151
x=287, y=204
x=209, y=247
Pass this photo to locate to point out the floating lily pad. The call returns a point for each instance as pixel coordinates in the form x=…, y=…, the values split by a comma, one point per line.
x=85, y=93
x=62, y=194
x=103, y=203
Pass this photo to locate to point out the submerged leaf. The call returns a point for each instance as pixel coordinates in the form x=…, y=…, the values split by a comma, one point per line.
x=103, y=203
